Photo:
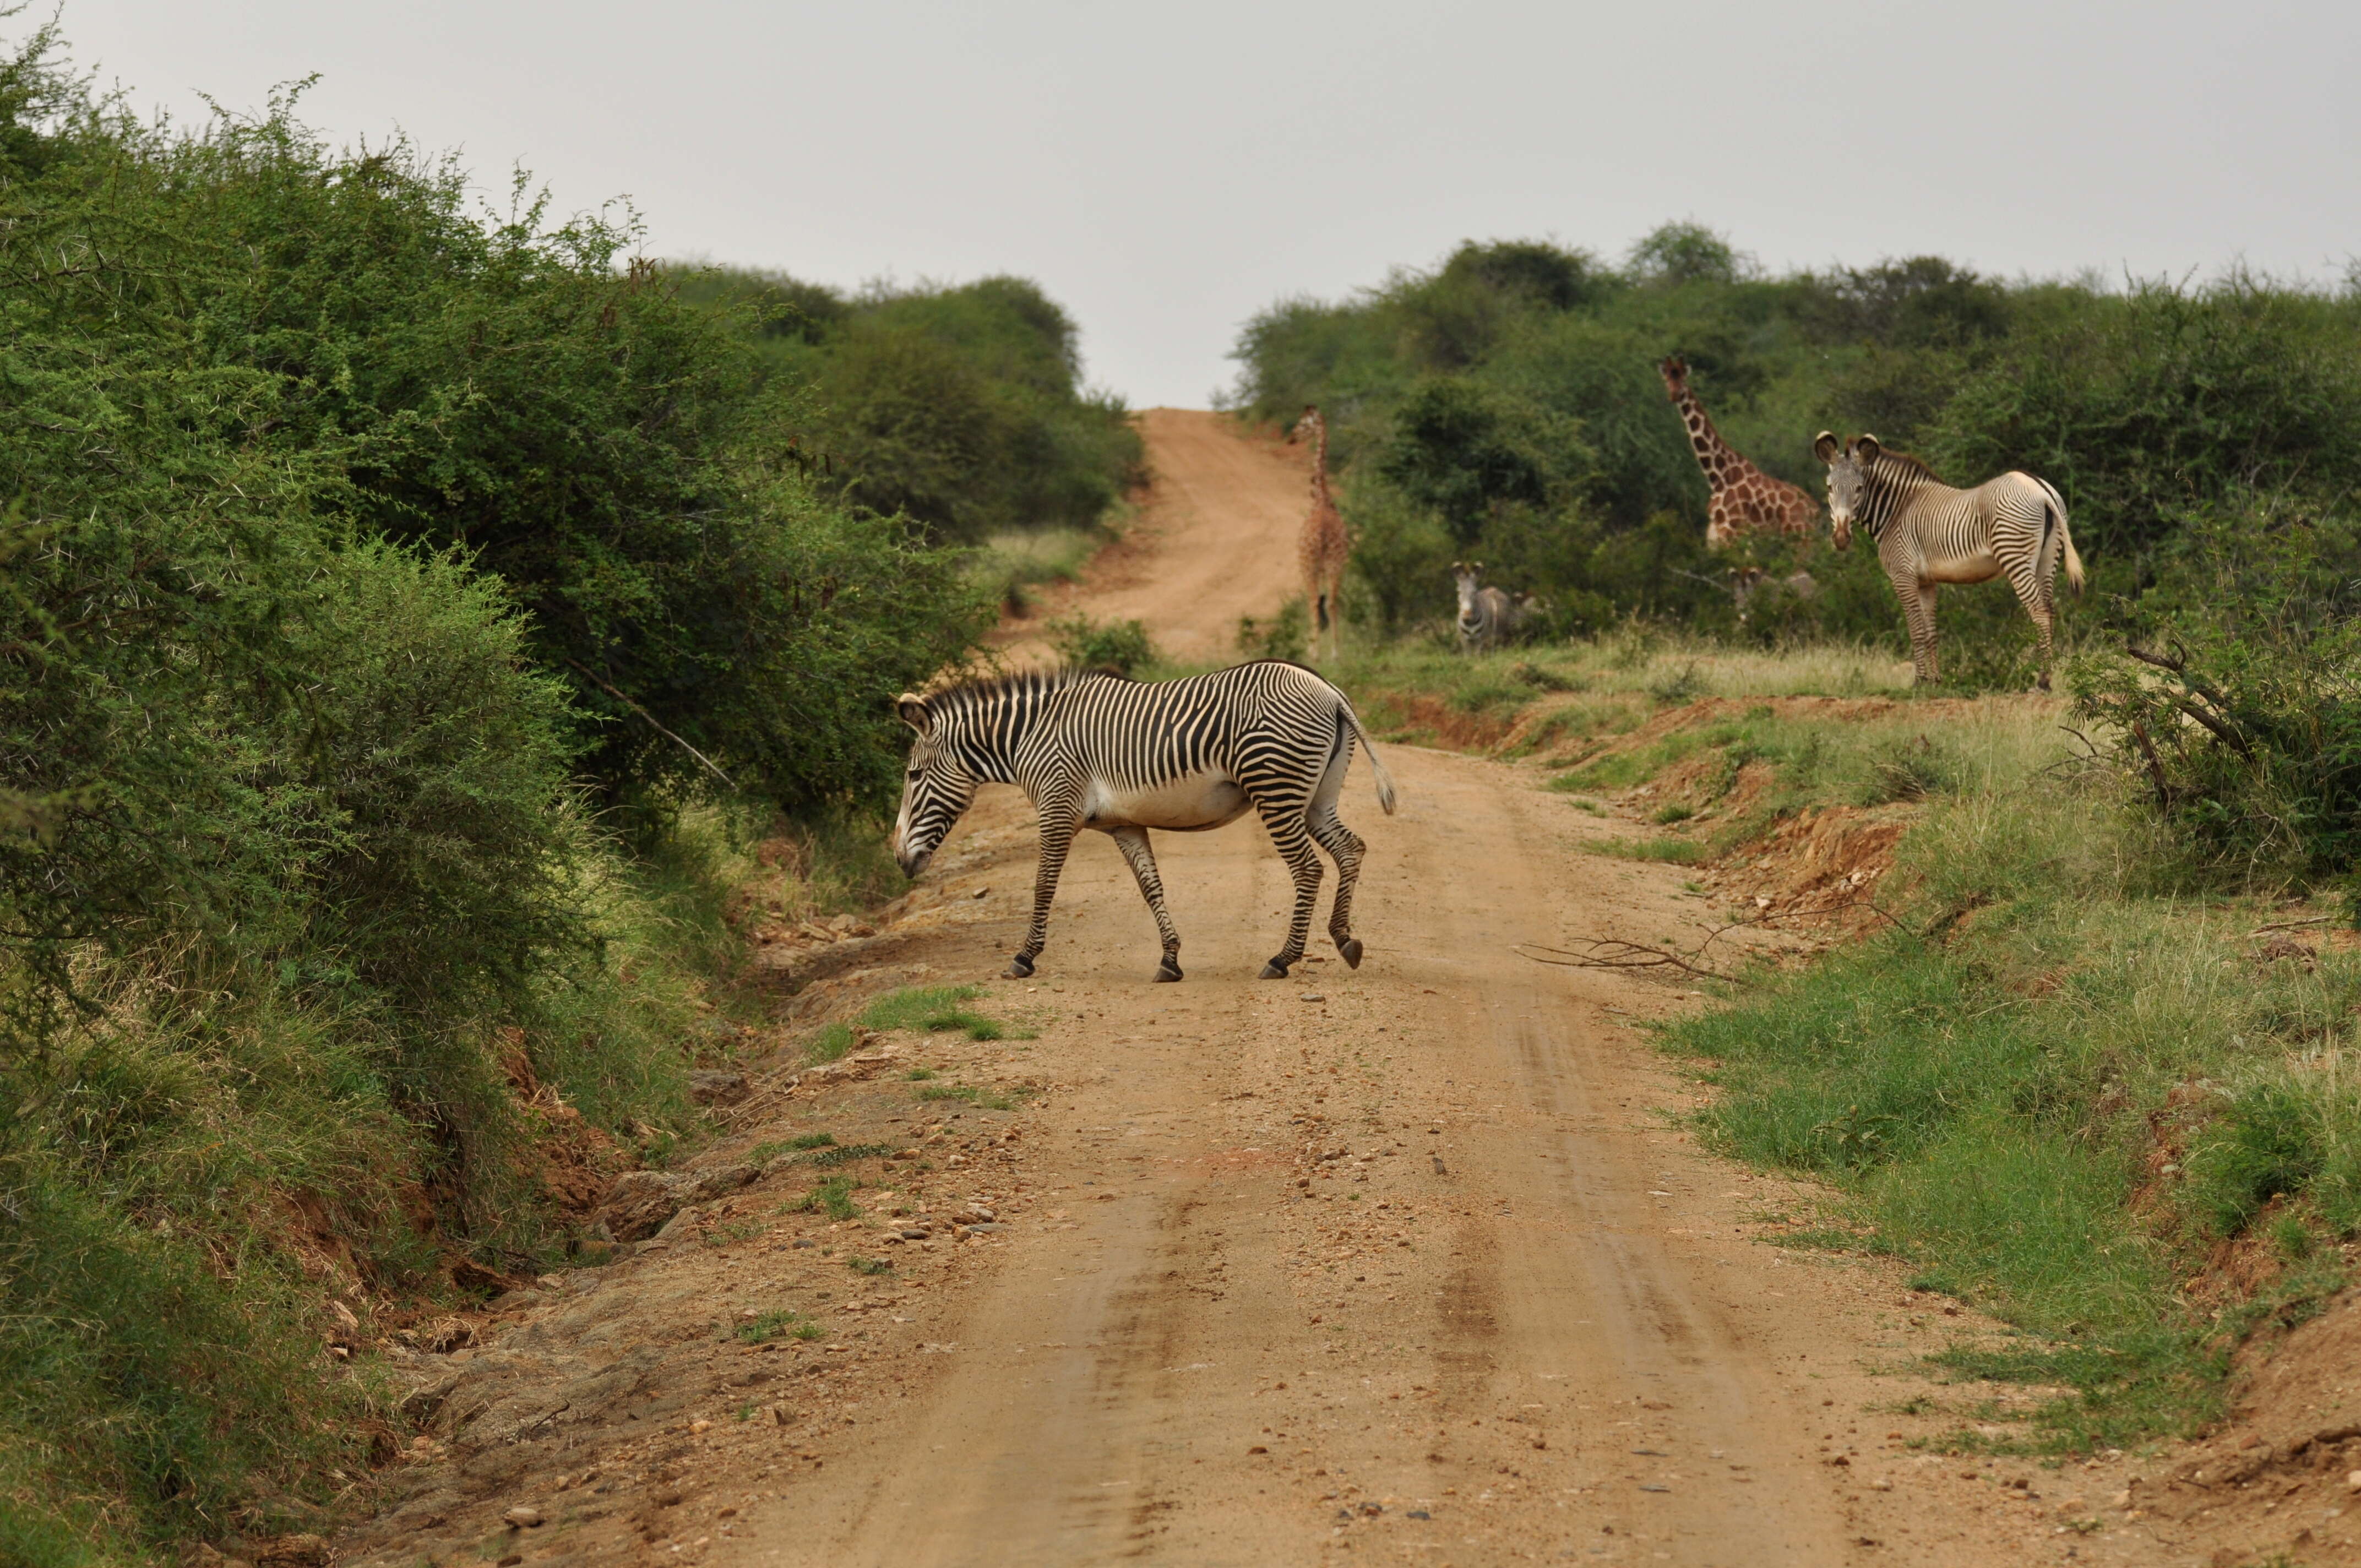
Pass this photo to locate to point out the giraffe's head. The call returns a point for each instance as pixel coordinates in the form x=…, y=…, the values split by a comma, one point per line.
x=1849, y=466
x=1675, y=372
x=936, y=787
x=1310, y=424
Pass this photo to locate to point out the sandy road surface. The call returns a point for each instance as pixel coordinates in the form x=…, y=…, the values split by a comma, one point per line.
x=1413, y=1263
x=1214, y=539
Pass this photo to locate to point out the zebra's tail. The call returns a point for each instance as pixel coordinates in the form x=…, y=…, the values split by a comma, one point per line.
x=2058, y=511
x=1377, y=765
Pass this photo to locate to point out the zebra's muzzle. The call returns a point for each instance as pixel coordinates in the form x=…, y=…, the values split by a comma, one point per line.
x=913, y=865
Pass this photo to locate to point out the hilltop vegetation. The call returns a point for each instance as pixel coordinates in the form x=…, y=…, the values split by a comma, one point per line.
x=1504, y=405
x=961, y=406
x=407, y=616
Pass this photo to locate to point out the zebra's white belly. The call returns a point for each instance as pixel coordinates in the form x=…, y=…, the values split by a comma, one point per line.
x=1184, y=805
x=1979, y=567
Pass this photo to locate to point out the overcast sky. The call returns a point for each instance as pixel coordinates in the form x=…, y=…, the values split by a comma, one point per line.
x=1165, y=171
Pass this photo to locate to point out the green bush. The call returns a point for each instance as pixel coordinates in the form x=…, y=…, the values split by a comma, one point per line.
x=961, y=406
x=2235, y=715
x=1118, y=647
x=1286, y=635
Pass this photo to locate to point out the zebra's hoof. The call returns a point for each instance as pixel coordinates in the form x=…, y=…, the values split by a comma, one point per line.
x=1019, y=967
x=1349, y=949
x=1273, y=970
x=1167, y=971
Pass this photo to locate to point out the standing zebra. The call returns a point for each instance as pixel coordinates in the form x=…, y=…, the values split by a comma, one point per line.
x=1929, y=534
x=1486, y=615
x=1122, y=756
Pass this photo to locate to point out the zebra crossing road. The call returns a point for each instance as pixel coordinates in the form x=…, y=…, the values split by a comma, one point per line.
x=1415, y=1261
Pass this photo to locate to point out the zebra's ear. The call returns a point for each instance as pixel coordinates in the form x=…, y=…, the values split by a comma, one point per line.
x=1867, y=448
x=1824, y=447
x=913, y=708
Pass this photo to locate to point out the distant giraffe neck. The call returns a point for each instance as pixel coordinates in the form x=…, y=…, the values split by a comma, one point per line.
x=1319, y=457
x=1720, y=461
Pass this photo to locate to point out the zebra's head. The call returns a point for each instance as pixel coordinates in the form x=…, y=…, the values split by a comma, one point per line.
x=937, y=788
x=1470, y=575
x=1849, y=470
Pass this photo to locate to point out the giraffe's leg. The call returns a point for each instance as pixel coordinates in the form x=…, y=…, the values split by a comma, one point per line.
x=1344, y=846
x=1133, y=842
x=1056, y=840
x=1289, y=835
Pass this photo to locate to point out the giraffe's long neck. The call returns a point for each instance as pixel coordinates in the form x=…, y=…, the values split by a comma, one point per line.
x=1319, y=459
x=1719, y=460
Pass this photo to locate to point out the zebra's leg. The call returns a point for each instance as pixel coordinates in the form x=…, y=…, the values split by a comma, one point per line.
x=1056, y=840
x=1344, y=846
x=1293, y=842
x=1918, y=614
x=1133, y=842
x=2035, y=596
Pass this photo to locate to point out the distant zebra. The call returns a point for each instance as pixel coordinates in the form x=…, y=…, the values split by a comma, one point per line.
x=1929, y=534
x=1097, y=750
x=1487, y=616
x=1745, y=582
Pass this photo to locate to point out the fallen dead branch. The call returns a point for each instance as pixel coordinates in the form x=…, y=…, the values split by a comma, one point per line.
x=1614, y=953
x=1606, y=952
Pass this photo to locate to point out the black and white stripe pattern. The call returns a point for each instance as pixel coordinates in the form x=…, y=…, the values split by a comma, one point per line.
x=1099, y=751
x=1929, y=533
x=1487, y=616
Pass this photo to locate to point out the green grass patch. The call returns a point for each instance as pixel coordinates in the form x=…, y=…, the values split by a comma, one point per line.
x=783, y=1322
x=935, y=1009
x=872, y=1265
x=832, y=1197
x=764, y=1153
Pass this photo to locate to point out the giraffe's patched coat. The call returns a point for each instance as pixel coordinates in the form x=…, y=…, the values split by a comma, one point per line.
x=1326, y=545
x=1742, y=499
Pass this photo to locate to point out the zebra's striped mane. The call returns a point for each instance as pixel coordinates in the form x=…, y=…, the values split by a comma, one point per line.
x=962, y=695
x=1912, y=466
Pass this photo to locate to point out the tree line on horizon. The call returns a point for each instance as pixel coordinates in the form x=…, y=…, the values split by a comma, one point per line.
x=1505, y=403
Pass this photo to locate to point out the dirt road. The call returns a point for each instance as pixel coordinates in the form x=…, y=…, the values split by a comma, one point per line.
x=1215, y=539
x=1415, y=1261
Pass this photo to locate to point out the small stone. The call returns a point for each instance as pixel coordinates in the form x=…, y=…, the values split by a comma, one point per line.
x=1312, y=996
x=956, y=1161
x=2353, y=1480
x=1259, y=1448
x=806, y=1241
x=293, y=1552
x=713, y=1086
x=524, y=1515
x=981, y=893
x=779, y=1416
x=697, y=1426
